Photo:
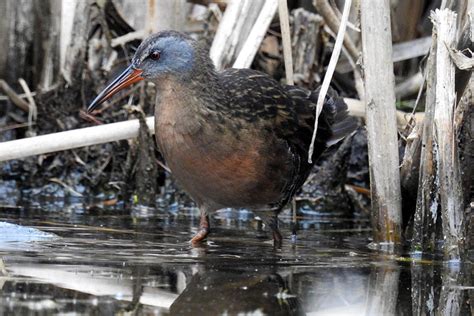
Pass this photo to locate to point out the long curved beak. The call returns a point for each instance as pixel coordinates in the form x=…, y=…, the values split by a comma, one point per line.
x=128, y=77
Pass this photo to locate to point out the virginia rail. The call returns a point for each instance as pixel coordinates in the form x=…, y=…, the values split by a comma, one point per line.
x=235, y=138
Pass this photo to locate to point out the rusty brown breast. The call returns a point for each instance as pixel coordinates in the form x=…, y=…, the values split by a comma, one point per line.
x=217, y=164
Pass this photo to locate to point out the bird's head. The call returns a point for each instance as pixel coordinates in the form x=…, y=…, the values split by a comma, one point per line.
x=164, y=55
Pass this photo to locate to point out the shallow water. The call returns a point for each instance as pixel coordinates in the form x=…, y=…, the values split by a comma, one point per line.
x=107, y=261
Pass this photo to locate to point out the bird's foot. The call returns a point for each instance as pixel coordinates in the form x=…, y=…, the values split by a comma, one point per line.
x=271, y=220
x=203, y=230
x=201, y=235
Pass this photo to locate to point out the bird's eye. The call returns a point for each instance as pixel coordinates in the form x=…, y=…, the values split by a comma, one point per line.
x=155, y=55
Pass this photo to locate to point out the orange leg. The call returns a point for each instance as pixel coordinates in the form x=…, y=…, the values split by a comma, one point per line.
x=277, y=238
x=203, y=229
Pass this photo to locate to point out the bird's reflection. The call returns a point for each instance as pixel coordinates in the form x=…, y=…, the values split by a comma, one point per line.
x=217, y=282
x=230, y=291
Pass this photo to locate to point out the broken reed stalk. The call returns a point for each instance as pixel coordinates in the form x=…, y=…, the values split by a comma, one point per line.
x=447, y=157
x=381, y=121
x=231, y=32
x=427, y=201
x=255, y=38
x=14, y=97
x=285, y=34
x=234, y=29
x=329, y=72
x=305, y=41
x=78, y=40
x=88, y=136
x=33, y=109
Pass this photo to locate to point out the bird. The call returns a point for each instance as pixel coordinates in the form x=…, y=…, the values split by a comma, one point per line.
x=235, y=138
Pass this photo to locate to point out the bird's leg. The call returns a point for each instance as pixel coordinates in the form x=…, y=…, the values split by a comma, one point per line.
x=203, y=228
x=272, y=223
x=277, y=239
x=294, y=220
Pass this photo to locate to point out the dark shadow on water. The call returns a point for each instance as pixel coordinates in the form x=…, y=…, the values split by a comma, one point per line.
x=106, y=262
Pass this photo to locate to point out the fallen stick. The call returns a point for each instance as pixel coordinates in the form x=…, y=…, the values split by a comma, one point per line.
x=129, y=37
x=20, y=95
x=411, y=49
x=33, y=109
x=88, y=136
x=14, y=97
x=410, y=86
x=356, y=108
x=401, y=51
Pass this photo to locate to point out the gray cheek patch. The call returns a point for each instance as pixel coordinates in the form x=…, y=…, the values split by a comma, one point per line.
x=179, y=54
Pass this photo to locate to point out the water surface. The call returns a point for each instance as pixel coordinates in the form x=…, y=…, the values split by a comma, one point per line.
x=106, y=261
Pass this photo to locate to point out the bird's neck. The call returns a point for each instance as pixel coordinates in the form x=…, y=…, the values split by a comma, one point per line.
x=183, y=109
x=200, y=92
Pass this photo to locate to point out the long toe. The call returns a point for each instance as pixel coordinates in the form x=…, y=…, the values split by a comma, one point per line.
x=200, y=236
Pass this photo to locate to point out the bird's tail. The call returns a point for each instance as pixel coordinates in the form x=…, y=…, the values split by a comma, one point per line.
x=335, y=116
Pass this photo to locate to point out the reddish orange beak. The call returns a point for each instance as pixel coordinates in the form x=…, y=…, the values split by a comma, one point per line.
x=128, y=77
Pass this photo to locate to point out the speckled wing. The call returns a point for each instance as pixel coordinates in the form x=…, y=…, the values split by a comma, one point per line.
x=289, y=113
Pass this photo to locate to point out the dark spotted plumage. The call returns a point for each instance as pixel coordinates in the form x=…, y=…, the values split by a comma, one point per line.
x=235, y=138
x=288, y=112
